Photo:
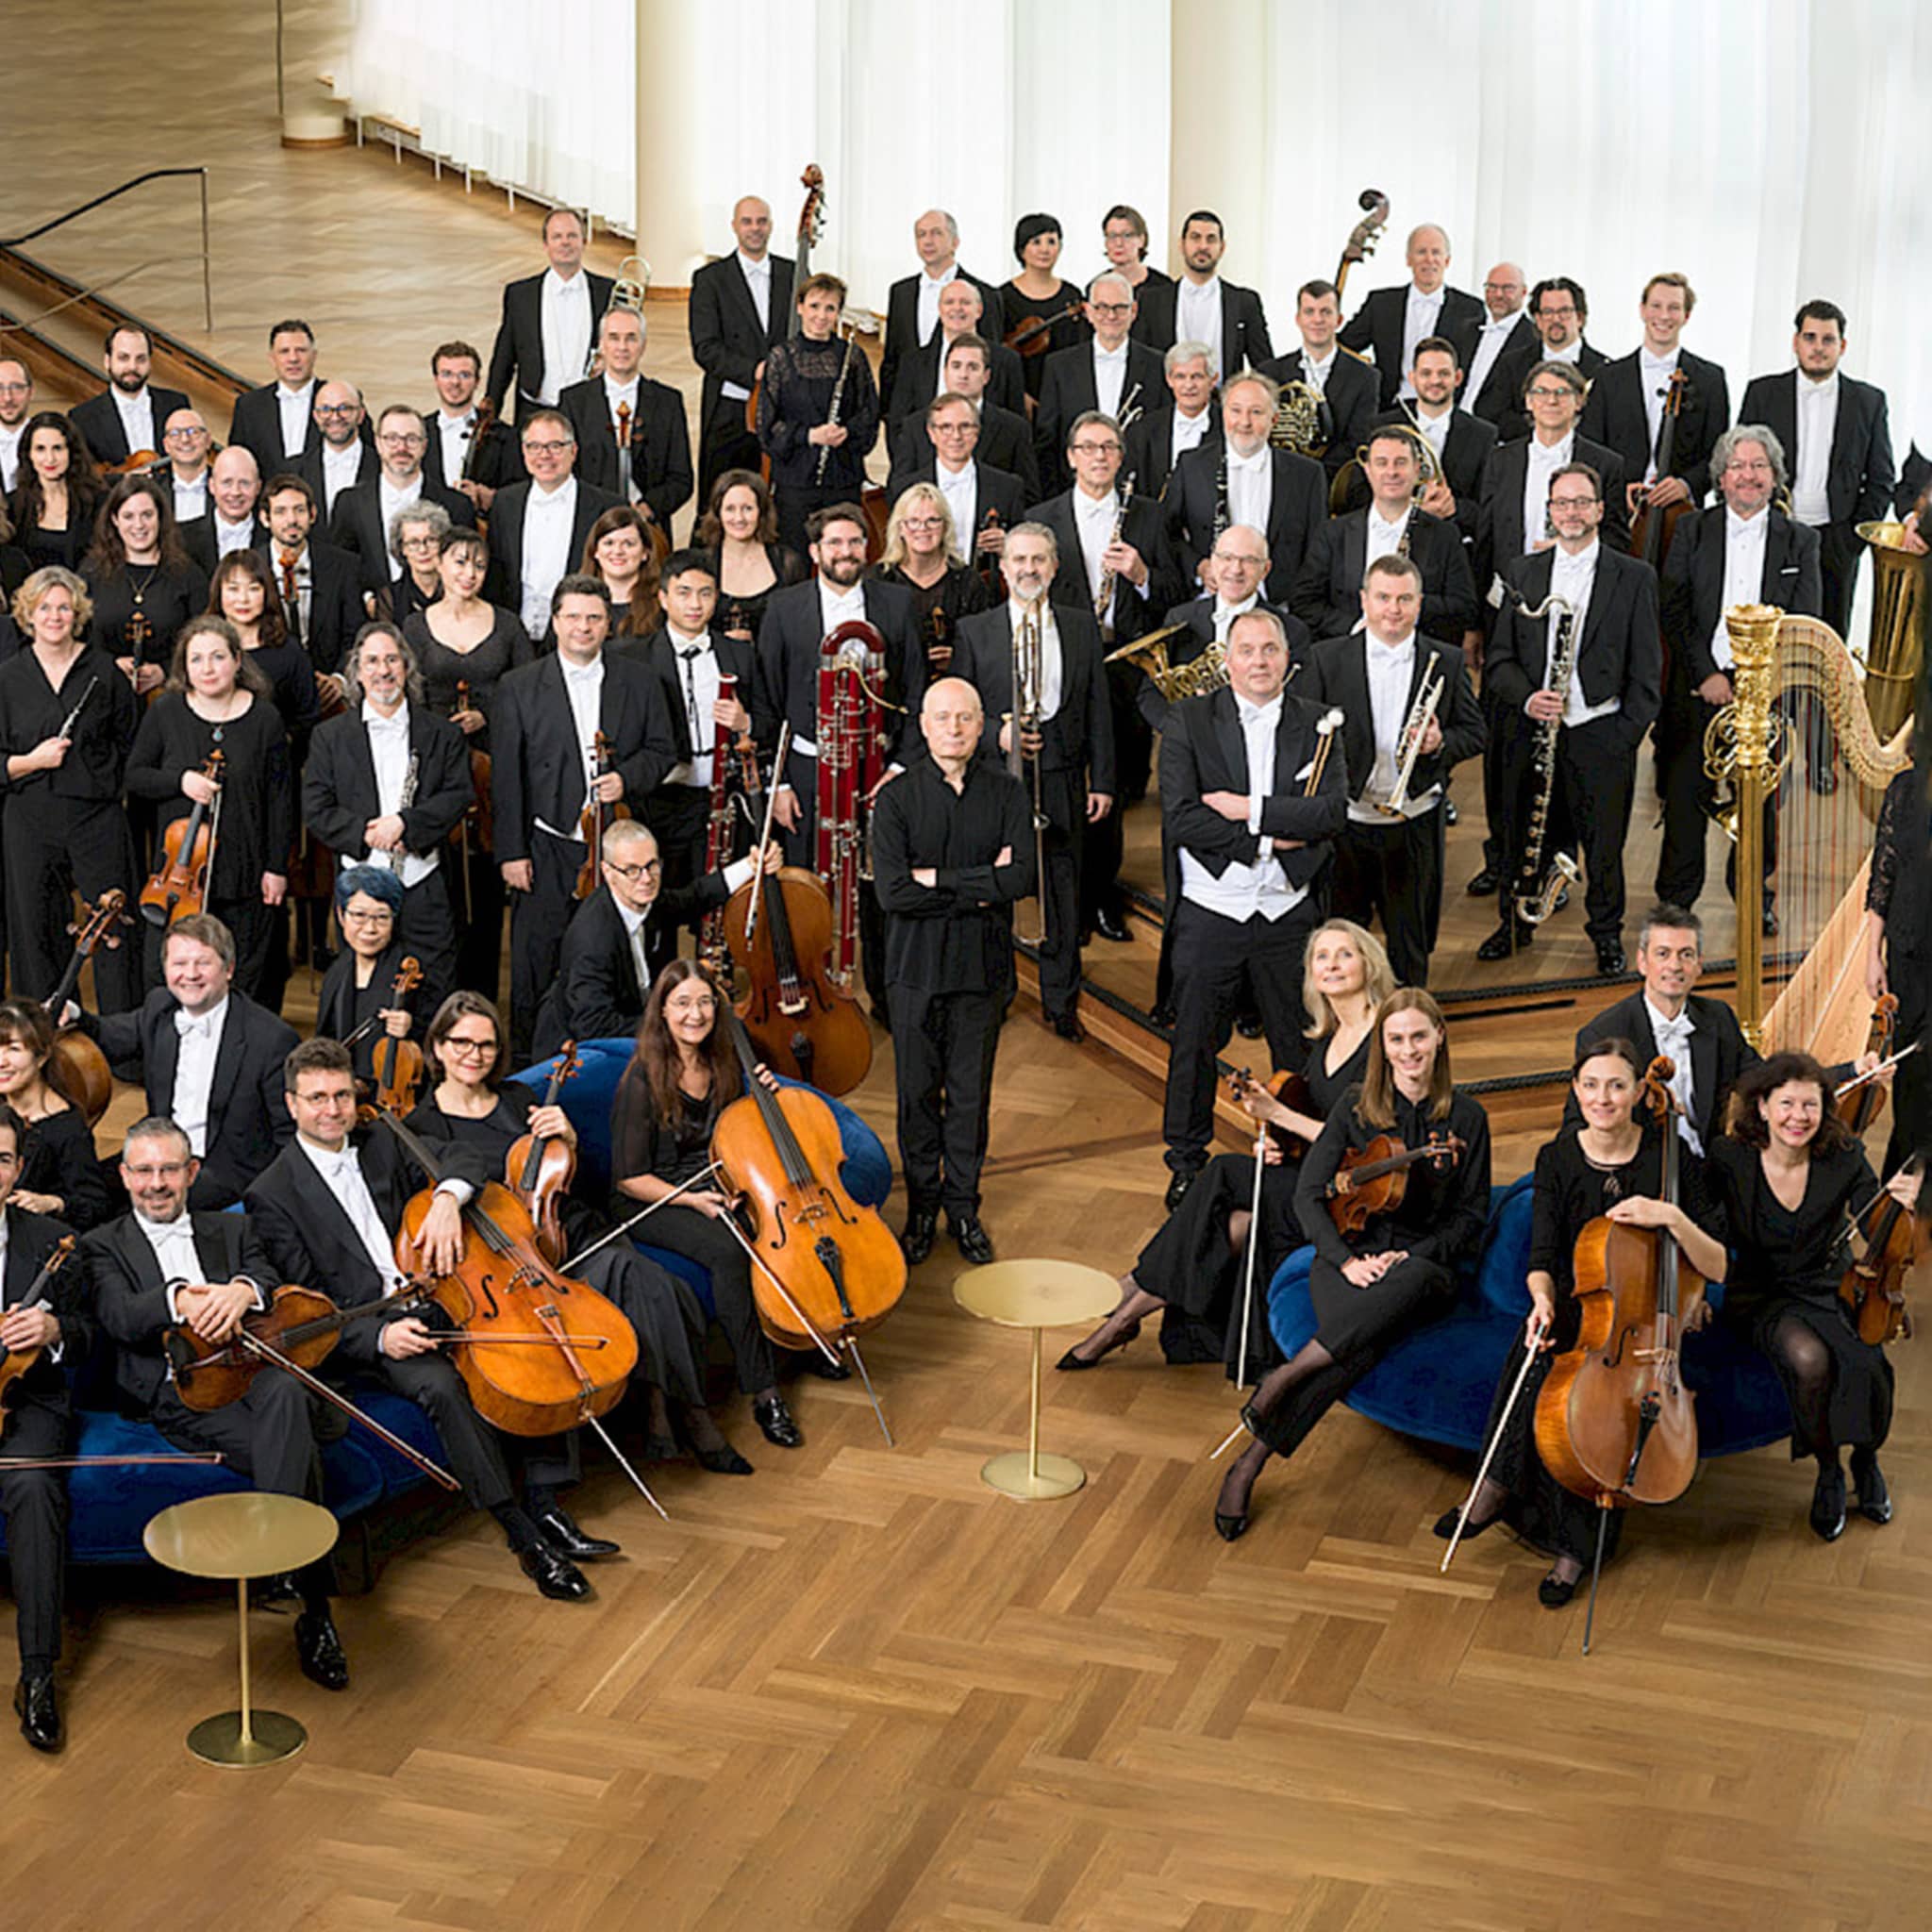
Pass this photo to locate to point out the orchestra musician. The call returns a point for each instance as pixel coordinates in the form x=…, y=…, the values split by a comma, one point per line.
x=544, y=774
x=232, y=523
x=682, y=1076
x=414, y=544
x=129, y=414
x=1610, y=703
x=1461, y=443
x=1123, y=240
x=618, y=549
x=55, y=1168
x=1112, y=374
x=922, y=557
x=1073, y=743
x=464, y=452
x=36, y=1423
x=329, y=1209
x=1608, y=1162
x=1200, y=307
x=164, y=1265
x=1235, y=569
x=1383, y=863
x=1559, y=308
x=1506, y=328
x=952, y=852
x=144, y=585
x=183, y=470
x=218, y=699
x=739, y=536
x=16, y=407
x=1628, y=397
x=1369, y=1288
x=360, y=988
x=1157, y=442
x=1391, y=321
x=1741, y=550
x=1327, y=587
x=1898, y=948
x=1240, y=479
x=984, y=504
x=549, y=322
x=472, y=1103
x=912, y=306
x=1252, y=801
x=1190, y=1273
x=537, y=528
x=1786, y=1174
x=362, y=519
x=321, y=587
x=921, y=374
x=344, y=451
x=54, y=504
x=1036, y=294
x=632, y=439
x=739, y=306
x=242, y=594
x=1004, y=441
x=817, y=450
x=1343, y=381
x=67, y=719
x=275, y=423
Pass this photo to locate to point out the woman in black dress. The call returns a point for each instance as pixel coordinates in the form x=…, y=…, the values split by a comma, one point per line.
x=470, y=1101
x=1898, y=948
x=1788, y=1178
x=923, y=556
x=465, y=647
x=1194, y=1263
x=360, y=988
x=1373, y=1288
x=1037, y=294
x=815, y=461
x=145, y=587
x=1611, y=1164
x=618, y=549
x=1123, y=235
x=415, y=542
x=244, y=592
x=739, y=535
x=60, y=1174
x=57, y=492
x=682, y=1076
x=217, y=699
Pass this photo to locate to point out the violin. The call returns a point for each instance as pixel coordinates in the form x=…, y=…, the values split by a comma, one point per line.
x=539, y=1170
x=1372, y=1180
x=505, y=1291
x=1873, y=1287
x=1615, y=1424
x=1034, y=337
x=15, y=1362
x=79, y=1068
x=1286, y=1090
x=1862, y=1106
x=180, y=882
x=592, y=821
x=803, y=1022
x=825, y=1270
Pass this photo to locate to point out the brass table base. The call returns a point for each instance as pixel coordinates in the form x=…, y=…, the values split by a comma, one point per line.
x=271, y=1736
x=1031, y=1480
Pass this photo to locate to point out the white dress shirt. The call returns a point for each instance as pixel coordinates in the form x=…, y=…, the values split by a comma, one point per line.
x=1391, y=670
x=1812, y=460
x=1571, y=353
x=1545, y=459
x=297, y=407
x=10, y=456
x=137, y=415
x=341, y=1174
x=1251, y=486
x=623, y=394
x=389, y=753
x=179, y=1259
x=1197, y=317
x=1673, y=1039
x=1316, y=373
x=1093, y=521
x=1489, y=345
x=452, y=435
x=191, y=499
x=1573, y=579
x=304, y=599
x=1383, y=537
x=1420, y=316
x=1654, y=374
x=758, y=282
x=199, y=1042
x=341, y=469
x=390, y=497
x=1052, y=663
x=929, y=287
x=1435, y=429
x=835, y=608
x=1110, y=375
x=1226, y=613
x=697, y=688
x=566, y=307
x=1242, y=890
x=1189, y=432
x=583, y=689
x=1743, y=574
x=230, y=537
x=961, y=488
x=549, y=517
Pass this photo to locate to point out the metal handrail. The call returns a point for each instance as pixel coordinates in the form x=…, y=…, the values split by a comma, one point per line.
x=207, y=298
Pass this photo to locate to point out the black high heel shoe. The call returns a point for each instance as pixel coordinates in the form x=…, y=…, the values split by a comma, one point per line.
x=1445, y=1524
x=1072, y=1360
x=1552, y=1592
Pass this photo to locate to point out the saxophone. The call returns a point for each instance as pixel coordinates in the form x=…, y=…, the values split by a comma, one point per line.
x=1537, y=888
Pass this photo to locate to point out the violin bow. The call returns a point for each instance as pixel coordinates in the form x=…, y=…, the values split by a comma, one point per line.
x=208, y=1456
x=757, y=877
x=1482, y=1475
x=623, y=1227
x=1877, y=1073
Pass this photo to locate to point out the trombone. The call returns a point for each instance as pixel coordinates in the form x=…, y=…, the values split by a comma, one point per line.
x=1028, y=678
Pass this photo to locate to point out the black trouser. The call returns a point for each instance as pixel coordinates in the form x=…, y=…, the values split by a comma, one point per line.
x=34, y=1501
x=1590, y=815
x=1840, y=550
x=56, y=846
x=724, y=443
x=1688, y=798
x=1497, y=805
x=1066, y=837
x=1211, y=955
x=679, y=817
x=796, y=503
x=693, y=1234
x=536, y=923
x=1104, y=846
x=945, y=1044
x=479, y=921
x=1396, y=869
x=428, y=928
x=471, y=1449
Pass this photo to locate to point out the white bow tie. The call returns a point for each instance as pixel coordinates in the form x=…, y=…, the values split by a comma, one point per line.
x=187, y=1024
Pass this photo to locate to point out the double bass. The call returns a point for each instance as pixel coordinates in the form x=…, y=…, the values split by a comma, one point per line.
x=811, y=224
x=180, y=883
x=1651, y=528
x=78, y=1067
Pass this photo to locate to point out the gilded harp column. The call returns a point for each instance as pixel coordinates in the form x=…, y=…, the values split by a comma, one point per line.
x=1741, y=747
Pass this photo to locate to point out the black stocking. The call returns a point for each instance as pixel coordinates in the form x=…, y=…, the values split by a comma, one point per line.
x=1276, y=1386
x=1807, y=1365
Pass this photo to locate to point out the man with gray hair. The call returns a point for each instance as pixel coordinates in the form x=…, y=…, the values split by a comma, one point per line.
x=1392, y=321
x=1113, y=374
x=1162, y=437
x=632, y=439
x=920, y=377
x=912, y=309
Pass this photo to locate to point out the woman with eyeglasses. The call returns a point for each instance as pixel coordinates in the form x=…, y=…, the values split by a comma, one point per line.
x=358, y=989
x=471, y=1103
x=60, y=1172
x=145, y=585
x=415, y=541
x=739, y=534
x=923, y=556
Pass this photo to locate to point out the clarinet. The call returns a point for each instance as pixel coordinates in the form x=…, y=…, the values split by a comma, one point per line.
x=832, y=416
x=1223, y=515
x=1104, y=595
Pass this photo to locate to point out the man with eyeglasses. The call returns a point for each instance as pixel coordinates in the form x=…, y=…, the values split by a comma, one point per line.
x=16, y=406
x=234, y=490
x=183, y=467
x=913, y=307
x=276, y=422
x=1114, y=375
x=364, y=513
x=986, y=503
x=1610, y=703
x=921, y=375
x=1741, y=550
x=1005, y=438
x=537, y=528
x=1391, y=321
x=343, y=453
x=1200, y=307
x=545, y=770
x=1558, y=309
x=127, y=416
x=1344, y=381
x=1186, y=422
x=1506, y=327
x=464, y=452
x=632, y=438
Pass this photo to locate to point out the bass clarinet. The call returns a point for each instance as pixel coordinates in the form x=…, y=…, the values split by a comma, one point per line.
x=1538, y=886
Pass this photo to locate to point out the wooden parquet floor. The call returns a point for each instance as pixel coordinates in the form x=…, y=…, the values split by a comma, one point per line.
x=861, y=1691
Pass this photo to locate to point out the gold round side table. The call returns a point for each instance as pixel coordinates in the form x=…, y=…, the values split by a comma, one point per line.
x=242, y=1535
x=1037, y=1296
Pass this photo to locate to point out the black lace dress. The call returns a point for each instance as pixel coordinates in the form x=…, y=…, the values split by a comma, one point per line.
x=793, y=399
x=1900, y=893
x=739, y=613
x=937, y=608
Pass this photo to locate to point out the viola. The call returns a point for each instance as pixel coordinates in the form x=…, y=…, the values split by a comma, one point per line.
x=539, y=1170
x=804, y=1025
x=1615, y=1422
x=180, y=882
x=1286, y=1090
x=15, y=1362
x=1372, y=1180
x=79, y=1068
x=1860, y=1106
x=594, y=821
x=825, y=1270
x=1873, y=1287
x=505, y=1291
x=1034, y=337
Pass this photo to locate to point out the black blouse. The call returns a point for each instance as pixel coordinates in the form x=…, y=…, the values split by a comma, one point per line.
x=1777, y=1251
x=1068, y=332
x=797, y=396
x=740, y=614
x=1572, y=1191
x=1900, y=893
x=342, y=1005
x=162, y=599
x=257, y=819
x=937, y=608
x=506, y=648
x=643, y=1143
x=290, y=673
x=58, y=1156
x=32, y=710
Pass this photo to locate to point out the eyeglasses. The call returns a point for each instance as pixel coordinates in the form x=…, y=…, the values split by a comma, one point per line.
x=423, y=542
x=1112, y=308
x=547, y=449
x=1550, y=309
x=344, y=410
x=470, y=1049
x=15, y=389
x=174, y=435
x=634, y=872
x=1095, y=449
x=922, y=524
x=1550, y=393
x=1748, y=466
x=383, y=916
x=1575, y=501
x=1499, y=288
x=395, y=442
x=954, y=428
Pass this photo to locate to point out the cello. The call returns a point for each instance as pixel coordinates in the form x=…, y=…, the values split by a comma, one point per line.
x=78, y=1066
x=1650, y=529
x=594, y=819
x=180, y=883
x=1873, y=1287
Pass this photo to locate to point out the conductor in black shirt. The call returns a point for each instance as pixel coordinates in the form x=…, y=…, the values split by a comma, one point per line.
x=952, y=852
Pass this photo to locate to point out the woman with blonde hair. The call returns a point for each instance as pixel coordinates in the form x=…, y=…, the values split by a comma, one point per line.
x=923, y=556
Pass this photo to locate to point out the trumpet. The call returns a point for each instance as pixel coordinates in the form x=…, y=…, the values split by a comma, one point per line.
x=1028, y=678
x=1408, y=745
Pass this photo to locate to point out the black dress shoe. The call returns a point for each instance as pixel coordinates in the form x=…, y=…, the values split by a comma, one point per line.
x=1184, y=1178
x=812, y=1362
x=1484, y=884
x=776, y=1423
x=1768, y=925
x=40, y=1712
x=1162, y=1014
x=1249, y=1026
x=1230, y=1528
x=1071, y=1362
x=724, y=1461
x=1828, y=1505
x=973, y=1239
x=1110, y=926
x=1450, y=815
x=916, y=1243
x=567, y=1539
x=1874, y=1499
x=1552, y=1592
x=1068, y=1027
x=554, y=1576
x=272, y=1592
x=1610, y=959
x=1510, y=937
x=319, y=1650
x=1445, y=1524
